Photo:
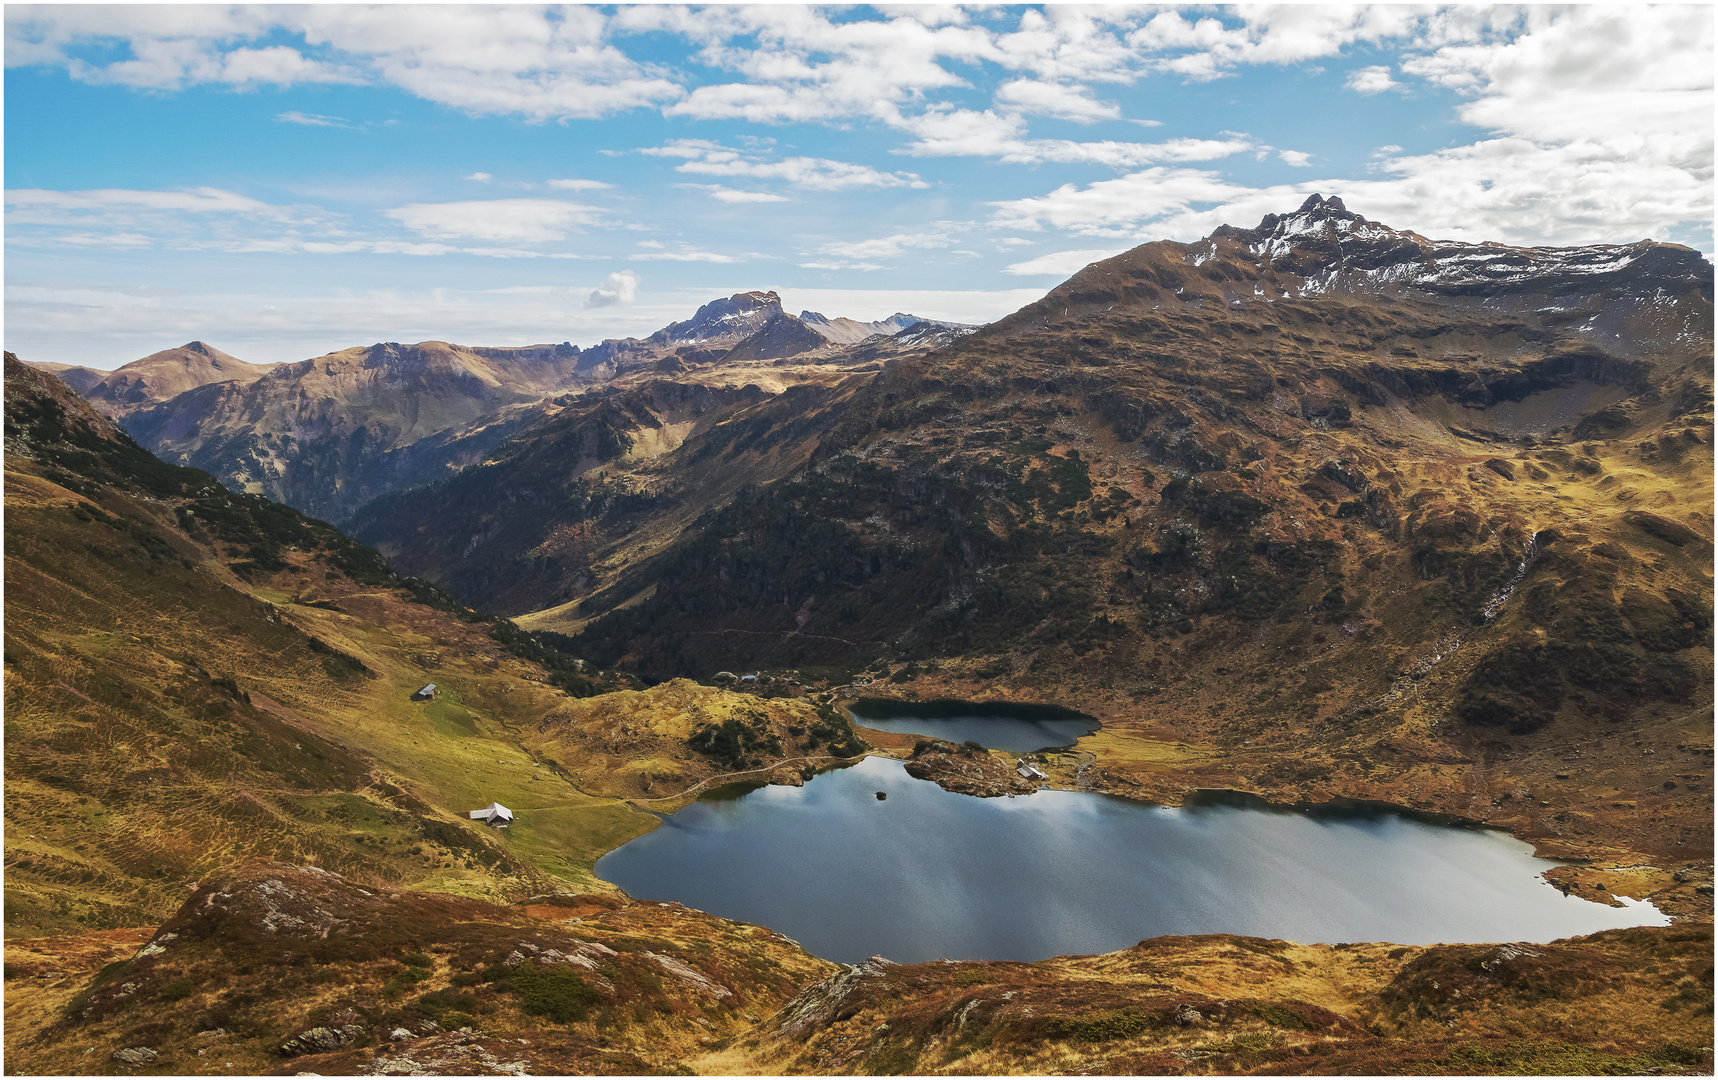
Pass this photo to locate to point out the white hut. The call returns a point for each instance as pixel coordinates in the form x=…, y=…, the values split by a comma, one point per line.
x=498, y=816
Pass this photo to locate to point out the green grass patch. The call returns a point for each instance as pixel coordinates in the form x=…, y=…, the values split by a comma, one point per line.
x=1100, y=1027
x=560, y=995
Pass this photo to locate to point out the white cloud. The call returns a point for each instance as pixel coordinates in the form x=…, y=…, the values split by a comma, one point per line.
x=1121, y=207
x=1371, y=80
x=37, y=206
x=314, y=120
x=730, y=195
x=1056, y=100
x=968, y=133
x=793, y=64
x=686, y=255
x=862, y=254
x=704, y=158
x=211, y=219
x=480, y=177
x=579, y=185
x=516, y=220
x=835, y=264
x=536, y=63
x=620, y=287
x=1600, y=121
x=1061, y=263
x=1297, y=158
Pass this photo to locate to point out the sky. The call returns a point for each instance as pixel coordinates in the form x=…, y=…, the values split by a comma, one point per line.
x=282, y=182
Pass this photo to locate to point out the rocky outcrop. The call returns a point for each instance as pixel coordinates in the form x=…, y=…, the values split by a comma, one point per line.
x=967, y=770
x=320, y=1040
x=817, y=1005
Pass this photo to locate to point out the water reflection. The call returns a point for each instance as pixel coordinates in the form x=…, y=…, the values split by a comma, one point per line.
x=1019, y=729
x=927, y=874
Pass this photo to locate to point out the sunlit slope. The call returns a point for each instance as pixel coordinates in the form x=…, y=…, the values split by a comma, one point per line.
x=1371, y=515
x=193, y=678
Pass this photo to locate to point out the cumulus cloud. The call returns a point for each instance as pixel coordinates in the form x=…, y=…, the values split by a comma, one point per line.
x=1620, y=98
x=1599, y=124
x=1371, y=80
x=620, y=287
x=790, y=63
x=504, y=220
x=580, y=185
x=1057, y=100
x=537, y=63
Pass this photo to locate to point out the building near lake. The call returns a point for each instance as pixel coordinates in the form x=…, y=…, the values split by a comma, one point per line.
x=498, y=816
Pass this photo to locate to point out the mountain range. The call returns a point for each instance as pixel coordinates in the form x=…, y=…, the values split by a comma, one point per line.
x=327, y=434
x=1320, y=510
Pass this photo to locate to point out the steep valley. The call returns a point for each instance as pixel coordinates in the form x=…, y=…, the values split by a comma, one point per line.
x=1321, y=511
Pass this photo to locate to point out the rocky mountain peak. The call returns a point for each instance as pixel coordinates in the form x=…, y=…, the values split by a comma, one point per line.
x=1331, y=246
x=732, y=318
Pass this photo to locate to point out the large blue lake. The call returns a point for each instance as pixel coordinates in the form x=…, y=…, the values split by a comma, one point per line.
x=927, y=873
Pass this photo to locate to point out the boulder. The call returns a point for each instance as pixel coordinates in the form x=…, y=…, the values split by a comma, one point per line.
x=135, y=1055
x=320, y=1040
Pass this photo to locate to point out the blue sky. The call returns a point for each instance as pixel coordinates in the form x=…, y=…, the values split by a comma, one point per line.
x=282, y=182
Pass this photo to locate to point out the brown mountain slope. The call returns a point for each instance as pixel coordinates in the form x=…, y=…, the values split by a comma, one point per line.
x=1321, y=496
x=601, y=480
x=326, y=434
x=194, y=677
x=287, y=970
x=78, y=378
x=162, y=376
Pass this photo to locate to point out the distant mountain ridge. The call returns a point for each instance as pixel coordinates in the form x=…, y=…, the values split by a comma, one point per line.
x=327, y=434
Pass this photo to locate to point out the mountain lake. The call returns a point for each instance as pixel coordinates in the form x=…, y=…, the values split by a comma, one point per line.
x=1018, y=729
x=926, y=873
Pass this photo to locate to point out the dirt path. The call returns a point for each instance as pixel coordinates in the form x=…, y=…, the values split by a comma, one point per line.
x=1082, y=774
x=765, y=771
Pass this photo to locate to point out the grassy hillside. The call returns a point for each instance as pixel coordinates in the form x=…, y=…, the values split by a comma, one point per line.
x=194, y=678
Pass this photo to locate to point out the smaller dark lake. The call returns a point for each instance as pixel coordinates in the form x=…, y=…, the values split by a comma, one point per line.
x=927, y=873
x=1018, y=729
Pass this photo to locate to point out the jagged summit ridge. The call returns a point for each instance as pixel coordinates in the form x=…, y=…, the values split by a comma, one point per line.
x=1332, y=247
x=734, y=316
